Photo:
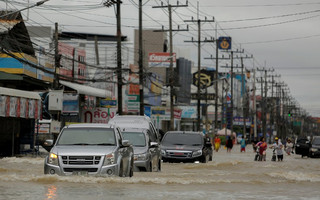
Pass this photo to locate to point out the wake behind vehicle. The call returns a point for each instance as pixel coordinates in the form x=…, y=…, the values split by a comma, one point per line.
x=90, y=149
x=147, y=155
x=183, y=146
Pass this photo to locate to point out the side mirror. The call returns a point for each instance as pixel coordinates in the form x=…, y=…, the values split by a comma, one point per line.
x=48, y=143
x=154, y=144
x=125, y=143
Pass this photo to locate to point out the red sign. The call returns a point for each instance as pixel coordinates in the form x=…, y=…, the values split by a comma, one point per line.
x=161, y=59
x=177, y=113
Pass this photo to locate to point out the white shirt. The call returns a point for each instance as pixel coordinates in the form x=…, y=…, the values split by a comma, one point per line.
x=278, y=148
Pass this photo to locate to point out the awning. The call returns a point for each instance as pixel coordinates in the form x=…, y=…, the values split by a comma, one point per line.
x=87, y=90
x=19, y=93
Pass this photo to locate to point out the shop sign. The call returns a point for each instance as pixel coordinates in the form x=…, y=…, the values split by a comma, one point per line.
x=98, y=115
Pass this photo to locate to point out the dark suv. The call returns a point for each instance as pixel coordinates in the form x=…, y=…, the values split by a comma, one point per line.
x=181, y=146
x=314, y=150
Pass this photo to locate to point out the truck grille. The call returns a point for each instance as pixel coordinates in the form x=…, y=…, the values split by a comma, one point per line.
x=179, y=154
x=81, y=160
x=80, y=169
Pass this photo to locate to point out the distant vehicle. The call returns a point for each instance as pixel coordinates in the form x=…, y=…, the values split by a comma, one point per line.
x=314, y=150
x=147, y=155
x=183, y=146
x=302, y=146
x=137, y=121
x=90, y=149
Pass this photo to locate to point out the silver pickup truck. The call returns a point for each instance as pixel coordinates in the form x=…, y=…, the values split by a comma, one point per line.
x=90, y=149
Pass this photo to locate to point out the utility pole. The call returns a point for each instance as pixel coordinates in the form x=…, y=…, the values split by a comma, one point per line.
x=254, y=106
x=171, y=78
x=109, y=3
x=56, y=58
x=141, y=82
x=232, y=107
x=217, y=58
x=264, y=100
x=119, y=64
x=199, y=61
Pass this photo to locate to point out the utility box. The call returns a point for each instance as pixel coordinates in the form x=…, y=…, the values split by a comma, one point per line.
x=55, y=100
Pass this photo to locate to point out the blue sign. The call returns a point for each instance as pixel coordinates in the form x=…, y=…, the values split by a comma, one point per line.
x=158, y=112
x=147, y=111
x=224, y=43
x=108, y=103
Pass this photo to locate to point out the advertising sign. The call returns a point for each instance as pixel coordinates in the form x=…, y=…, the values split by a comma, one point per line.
x=189, y=112
x=70, y=103
x=98, y=115
x=134, y=87
x=161, y=59
x=206, y=78
x=224, y=43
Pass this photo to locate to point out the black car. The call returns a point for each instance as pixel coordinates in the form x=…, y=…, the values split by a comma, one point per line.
x=183, y=146
x=302, y=146
x=314, y=150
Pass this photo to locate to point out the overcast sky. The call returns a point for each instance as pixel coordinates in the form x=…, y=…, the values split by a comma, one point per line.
x=283, y=35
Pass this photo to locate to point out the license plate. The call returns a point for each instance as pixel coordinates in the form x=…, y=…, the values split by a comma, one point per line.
x=80, y=173
x=178, y=153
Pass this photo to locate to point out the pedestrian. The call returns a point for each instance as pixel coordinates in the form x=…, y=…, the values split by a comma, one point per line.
x=277, y=146
x=217, y=143
x=289, y=146
x=262, y=149
x=254, y=145
x=243, y=144
x=229, y=144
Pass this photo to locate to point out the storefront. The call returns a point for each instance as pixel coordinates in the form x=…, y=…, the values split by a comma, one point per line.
x=19, y=111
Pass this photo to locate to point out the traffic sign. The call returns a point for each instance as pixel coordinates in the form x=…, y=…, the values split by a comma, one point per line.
x=210, y=96
x=224, y=43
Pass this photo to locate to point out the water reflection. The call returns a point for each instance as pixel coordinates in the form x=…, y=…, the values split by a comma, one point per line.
x=51, y=192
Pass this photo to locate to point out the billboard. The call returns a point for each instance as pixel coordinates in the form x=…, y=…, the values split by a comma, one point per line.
x=161, y=59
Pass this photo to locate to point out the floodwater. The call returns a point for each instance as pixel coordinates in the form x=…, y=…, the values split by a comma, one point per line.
x=232, y=175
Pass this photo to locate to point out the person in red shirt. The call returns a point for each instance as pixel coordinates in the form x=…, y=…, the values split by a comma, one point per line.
x=262, y=149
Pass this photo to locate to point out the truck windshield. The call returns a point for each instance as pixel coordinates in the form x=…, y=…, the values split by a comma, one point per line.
x=136, y=138
x=182, y=139
x=316, y=141
x=87, y=136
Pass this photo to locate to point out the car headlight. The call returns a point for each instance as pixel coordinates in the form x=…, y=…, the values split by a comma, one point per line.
x=197, y=153
x=53, y=159
x=142, y=156
x=163, y=152
x=313, y=149
x=108, y=159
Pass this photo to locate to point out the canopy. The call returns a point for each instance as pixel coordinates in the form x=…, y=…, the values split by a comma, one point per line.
x=87, y=90
x=222, y=132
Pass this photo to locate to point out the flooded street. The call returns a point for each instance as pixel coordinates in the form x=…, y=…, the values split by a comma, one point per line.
x=229, y=176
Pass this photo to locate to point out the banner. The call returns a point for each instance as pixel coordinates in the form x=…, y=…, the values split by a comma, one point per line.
x=3, y=106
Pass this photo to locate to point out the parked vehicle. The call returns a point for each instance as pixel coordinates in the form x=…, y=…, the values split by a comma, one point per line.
x=147, y=155
x=90, y=149
x=302, y=146
x=314, y=150
x=181, y=146
x=137, y=121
